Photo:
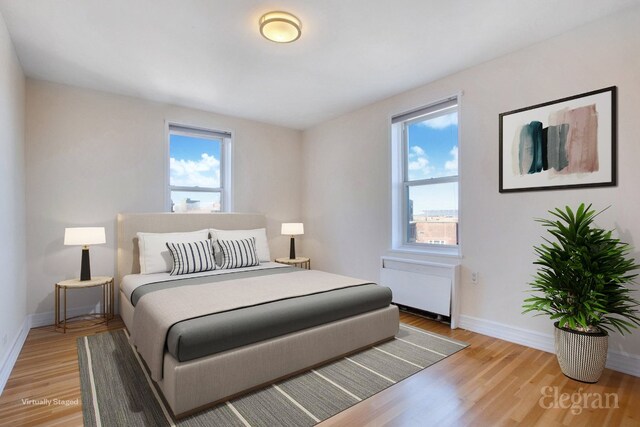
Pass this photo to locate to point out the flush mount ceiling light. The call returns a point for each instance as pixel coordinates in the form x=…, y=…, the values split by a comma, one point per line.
x=280, y=27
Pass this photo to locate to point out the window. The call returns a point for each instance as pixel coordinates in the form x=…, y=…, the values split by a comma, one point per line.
x=425, y=183
x=199, y=178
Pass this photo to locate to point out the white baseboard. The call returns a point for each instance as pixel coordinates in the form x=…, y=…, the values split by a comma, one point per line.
x=48, y=318
x=626, y=363
x=513, y=334
x=6, y=366
x=35, y=321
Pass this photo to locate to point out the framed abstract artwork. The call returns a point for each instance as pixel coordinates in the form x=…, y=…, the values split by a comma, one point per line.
x=567, y=143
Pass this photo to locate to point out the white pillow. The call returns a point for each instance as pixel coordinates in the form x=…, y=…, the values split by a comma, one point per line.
x=260, y=234
x=154, y=254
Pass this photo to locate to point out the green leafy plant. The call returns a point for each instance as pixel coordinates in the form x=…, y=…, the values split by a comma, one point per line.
x=582, y=275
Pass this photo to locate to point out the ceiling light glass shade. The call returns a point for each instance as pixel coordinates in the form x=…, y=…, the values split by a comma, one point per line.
x=292, y=228
x=280, y=27
x=84, y=236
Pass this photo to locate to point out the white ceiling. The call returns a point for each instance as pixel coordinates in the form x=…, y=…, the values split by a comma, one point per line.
x=208, y=54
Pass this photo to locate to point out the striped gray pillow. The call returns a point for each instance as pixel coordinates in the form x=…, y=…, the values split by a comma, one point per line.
x=191, y=257
x=239, y=253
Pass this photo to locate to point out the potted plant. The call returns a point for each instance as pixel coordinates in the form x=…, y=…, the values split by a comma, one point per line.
x=581, y=284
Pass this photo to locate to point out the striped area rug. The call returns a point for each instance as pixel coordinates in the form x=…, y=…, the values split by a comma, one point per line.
x=116, y=390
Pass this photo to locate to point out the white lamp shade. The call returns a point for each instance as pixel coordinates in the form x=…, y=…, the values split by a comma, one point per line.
x=292, y=228
x=84, y=236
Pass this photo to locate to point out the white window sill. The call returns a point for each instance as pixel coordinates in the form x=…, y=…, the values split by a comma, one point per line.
x=432, y=252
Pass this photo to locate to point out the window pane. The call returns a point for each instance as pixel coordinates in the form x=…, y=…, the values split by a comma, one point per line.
x=195, y=201
x=432, y=147
x=433, y=214
x=194, y=162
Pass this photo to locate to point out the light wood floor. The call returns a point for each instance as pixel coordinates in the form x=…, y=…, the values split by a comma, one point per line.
x=490, y=383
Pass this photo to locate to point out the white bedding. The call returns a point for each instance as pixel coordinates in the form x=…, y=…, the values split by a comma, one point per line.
x=132, y=281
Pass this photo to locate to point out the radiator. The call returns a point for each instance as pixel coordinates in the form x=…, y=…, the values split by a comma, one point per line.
x=428, y=286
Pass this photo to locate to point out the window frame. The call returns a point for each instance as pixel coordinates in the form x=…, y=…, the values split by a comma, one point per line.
x=400, y=177
x=225, y=138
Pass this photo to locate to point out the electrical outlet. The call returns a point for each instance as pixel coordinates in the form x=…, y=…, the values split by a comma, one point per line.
x=474, y=277
x=4, y=340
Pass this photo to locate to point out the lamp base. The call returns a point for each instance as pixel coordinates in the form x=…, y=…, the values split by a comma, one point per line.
x=292, y=249
x=85, y=267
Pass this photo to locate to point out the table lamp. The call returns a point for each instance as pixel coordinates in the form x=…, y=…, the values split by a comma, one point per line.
x=84, y=236
x=292, y=229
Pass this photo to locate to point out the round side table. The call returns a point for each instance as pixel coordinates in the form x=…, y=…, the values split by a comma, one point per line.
x=301, y=262
x=107, y=300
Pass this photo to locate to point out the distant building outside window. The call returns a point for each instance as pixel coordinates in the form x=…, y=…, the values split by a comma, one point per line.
x=199, y=178
x=425, y=183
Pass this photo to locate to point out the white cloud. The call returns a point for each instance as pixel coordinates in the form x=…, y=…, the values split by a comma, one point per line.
x=189, y=173
x=417, y=150
x=452, y=165
x=420, y=164
x=441, y=122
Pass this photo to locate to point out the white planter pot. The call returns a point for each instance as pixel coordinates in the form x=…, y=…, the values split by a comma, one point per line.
x=581, y=356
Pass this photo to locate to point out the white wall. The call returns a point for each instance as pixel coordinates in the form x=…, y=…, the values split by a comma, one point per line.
x=91, y=155
x=347, y=211
x=12, y=184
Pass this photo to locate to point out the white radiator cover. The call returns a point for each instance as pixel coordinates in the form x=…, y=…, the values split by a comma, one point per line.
x=424, y=285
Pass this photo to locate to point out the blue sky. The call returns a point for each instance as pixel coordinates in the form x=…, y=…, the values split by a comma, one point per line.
x=433, y=147
x=194, y=161
x=433, y=152
x=190, y=148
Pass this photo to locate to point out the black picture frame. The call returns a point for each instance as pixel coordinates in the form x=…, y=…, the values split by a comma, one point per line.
x=569, y=152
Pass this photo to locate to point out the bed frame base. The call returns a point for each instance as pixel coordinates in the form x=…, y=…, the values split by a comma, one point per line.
x=191, y=385
x=197, y=384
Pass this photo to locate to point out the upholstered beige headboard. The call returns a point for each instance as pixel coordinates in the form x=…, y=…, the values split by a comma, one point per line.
x=130, y=224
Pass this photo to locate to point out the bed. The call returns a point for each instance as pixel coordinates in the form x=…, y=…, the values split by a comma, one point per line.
x=268, y=322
